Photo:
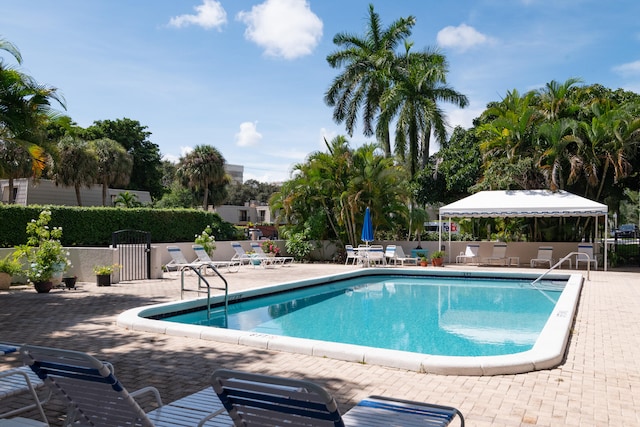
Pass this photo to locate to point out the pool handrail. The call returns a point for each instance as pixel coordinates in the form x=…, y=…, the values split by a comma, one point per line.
x=562, y=260
x=201, y=278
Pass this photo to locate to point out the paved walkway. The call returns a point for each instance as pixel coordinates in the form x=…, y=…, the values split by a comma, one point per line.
x=597, y=385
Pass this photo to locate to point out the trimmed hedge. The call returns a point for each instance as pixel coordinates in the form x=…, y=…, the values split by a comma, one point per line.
x=93, y=226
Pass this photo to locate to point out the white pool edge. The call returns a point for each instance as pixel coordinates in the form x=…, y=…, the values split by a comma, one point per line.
x=548, y=351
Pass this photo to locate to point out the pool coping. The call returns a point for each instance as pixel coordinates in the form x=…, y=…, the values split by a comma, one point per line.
x=547, y=352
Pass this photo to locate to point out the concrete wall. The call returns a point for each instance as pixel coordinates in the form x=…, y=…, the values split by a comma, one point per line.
x=83, y=259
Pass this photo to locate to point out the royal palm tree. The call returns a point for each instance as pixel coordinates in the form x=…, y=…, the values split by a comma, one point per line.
x=367, y=61
x=77, y=165
x=114, y=164
x=7, y=46
x=413, y=100
x=202, y=168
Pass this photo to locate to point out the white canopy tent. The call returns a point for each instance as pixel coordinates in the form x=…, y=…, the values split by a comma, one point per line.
x=525, y=203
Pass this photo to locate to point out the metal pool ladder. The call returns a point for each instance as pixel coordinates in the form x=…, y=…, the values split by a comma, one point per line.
x=566, y=257
x=206, y=288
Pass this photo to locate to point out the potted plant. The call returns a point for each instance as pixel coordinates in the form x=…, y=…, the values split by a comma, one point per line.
x=206, y=240
x=43, y=252
x=437, y=258
x=424, y=261
x=70, y=281
x=270, y=248
x=103, y=273
x=9, y=267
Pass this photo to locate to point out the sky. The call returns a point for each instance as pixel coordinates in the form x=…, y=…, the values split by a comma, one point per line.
x=249, y=77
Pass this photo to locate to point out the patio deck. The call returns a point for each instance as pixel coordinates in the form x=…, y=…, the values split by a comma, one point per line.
x=597, y=385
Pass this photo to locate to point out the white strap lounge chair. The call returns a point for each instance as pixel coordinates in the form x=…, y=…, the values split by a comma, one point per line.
x=470, y=254
x=499, y=255
x=390, y=255
x=254, y=259
x=22, y=381
x=282, y=260
x=261, y=400
x=203, y=257
x=545, y=256
x=586, y=255
x=375, y=256
x=179, y=262
x=95, y=397
x=400, y=256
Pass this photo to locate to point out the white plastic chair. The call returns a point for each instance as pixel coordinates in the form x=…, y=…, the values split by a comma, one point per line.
x=586, y=255
x=545, y=256
x=470, y=254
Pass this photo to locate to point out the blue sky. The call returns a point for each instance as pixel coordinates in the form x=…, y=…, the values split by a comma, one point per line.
x=248, y=77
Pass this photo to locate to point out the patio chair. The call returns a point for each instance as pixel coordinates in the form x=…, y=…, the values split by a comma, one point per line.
x=95, y=397
x=470, y=254
x=499, y=254
x=262, y=400
x=390, y=255
x=400, y=256
x=254, y=259
x=351, y=255
x=375, y=256
x=545, y=256
x=282, y=260
x=586, y=255
x=203, y=257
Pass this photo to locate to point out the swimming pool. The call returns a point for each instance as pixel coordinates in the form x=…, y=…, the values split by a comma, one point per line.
x=520, y=341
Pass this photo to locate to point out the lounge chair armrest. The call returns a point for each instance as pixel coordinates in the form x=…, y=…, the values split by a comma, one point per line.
x=210, y=416
x=148, y=389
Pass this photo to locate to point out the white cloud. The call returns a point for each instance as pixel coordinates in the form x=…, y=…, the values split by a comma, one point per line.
x=248, y=135
x=630, y=68
x=461, y=37
x=184, y=150
x=284, y=28
x=210, y=14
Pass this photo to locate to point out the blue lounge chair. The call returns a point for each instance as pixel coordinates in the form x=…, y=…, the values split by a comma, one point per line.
x=95, y=397
x=261, y=400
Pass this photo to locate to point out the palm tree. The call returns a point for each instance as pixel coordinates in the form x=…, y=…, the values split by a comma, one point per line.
x=202, y=168
x=15, y=162
x=367, y=61
x=77, y=165
x=419, y=84
x=7, y=46
x=114, y=164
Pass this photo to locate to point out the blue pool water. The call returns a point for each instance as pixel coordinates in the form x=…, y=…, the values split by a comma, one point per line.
x=453, y=316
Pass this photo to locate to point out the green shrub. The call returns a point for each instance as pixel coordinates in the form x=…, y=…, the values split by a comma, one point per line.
x=93, y=226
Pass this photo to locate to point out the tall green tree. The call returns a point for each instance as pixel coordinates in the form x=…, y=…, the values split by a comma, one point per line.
x=77, y=165
x=365, y=62
x=414, y=101
x=114, y=164
x=147, y=161
x=203, y=170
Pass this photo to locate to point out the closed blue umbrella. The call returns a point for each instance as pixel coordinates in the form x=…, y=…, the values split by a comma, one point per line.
x=367, y=228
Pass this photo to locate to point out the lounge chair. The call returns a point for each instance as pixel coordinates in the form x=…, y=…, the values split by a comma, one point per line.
x=96, y=397
x=400, y=256
x=390, y=255
x=282, y=260
x=470, y=254
x=499, y=254
x=586, y=255
x=545, y=256
x=261, y=400
x=351, y=255
x=18, y=381
x=179, y=262
x=203, y=257
x=253, y=259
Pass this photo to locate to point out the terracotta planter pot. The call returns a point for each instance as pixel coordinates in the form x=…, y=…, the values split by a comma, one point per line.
x=43, y=287
x=437, y=262
x=424, y=263
x=5, y=281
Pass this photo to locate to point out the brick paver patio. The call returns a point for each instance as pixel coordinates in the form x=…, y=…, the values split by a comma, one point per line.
x=597, y=385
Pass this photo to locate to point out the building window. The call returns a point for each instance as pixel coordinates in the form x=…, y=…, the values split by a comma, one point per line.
x=243, y=215
x=262, y=215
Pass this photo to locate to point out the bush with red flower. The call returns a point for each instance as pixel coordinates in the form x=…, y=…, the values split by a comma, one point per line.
x=269, y=247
